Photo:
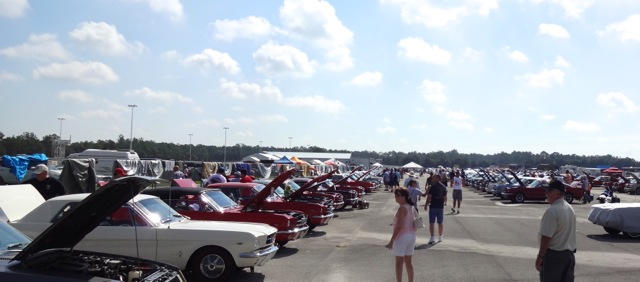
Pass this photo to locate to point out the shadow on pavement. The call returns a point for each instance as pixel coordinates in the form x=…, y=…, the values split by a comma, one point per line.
x=315, y=233
x=284, y=252
x=424, y=246
x=618, y=238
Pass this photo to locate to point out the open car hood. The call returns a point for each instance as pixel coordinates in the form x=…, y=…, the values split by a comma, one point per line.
x=86, y=215
x=517, y=178
x=268, y=189
x=348, y=175
x=309, y=184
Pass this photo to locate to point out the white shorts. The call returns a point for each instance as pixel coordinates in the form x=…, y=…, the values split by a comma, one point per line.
x=404, y=244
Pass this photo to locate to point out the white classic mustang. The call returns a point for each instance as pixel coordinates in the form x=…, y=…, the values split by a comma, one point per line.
x=148, y=228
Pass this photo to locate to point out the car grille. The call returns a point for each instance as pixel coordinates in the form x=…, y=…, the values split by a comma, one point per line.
x=271, y=239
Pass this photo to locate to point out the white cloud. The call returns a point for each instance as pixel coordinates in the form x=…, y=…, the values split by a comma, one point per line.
x=171, y=55
x=101, y=114
x=86, y=72
x=38, y=46
x=581, y=126
x=244, y=133
x=368, y=78
x=458, y=115
x=427, y=14
x=250, y=90
x=553, y=30
x=251, y=27
x=272, y=119
x=282, y=60
x=386, y=121
x=316, y=22
x=104, y=38
x=516, y=56
x=463, y=125
x=433, y=91
x=241, y=120
x=547, y=117
x=212, y=59
x=572, y=8
x=562, y=63
x=158, y=110
x=545, y=78
x=472, y=55
x=7, y=76
x=13, y=8
x=208, y=122
x=164, y=96
x=74, y=96
x=627, y=30
x=616, y=101
x=316, y=103
x=414, y=48
x=172, y=8
x=386, y=129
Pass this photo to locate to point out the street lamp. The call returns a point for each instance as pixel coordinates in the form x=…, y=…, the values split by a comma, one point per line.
x=290, y=142
x=225, y=143
x=260, y=148
x=60, y=119
x=190, y=134
x=131, y=136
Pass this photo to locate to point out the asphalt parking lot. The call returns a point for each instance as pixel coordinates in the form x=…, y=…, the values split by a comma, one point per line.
x=490, y=240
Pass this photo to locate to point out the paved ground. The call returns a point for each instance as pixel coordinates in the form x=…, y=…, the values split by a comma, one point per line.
x=490, y=240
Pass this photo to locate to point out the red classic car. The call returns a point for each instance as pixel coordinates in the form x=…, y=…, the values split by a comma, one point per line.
x=354, y=179
x=349, y=197
x=328, y=201
x=535, y=191
x=212, y=204
x=260, y=197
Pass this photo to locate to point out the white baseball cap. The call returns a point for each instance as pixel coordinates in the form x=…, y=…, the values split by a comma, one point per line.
x=40, y=169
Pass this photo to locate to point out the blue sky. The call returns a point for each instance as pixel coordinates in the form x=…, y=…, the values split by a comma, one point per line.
x=479, y=76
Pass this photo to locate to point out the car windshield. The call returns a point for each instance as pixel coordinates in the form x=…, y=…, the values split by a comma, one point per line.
x=158, y=211
x=12, y=239
x=537, y=183
x=278, y=191
x=221, y=199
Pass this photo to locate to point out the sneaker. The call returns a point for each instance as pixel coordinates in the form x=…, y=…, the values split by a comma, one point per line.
x=458, y=212
x=440, y=239
x=431, y=241
x=453, y=210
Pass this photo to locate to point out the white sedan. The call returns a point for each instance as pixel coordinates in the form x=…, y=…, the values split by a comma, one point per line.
x=146, y=227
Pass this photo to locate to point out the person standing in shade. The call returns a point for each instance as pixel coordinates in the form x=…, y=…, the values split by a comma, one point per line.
x=556, y=256
x=177, y=174
x=456, y=183
x=244, y=178
x=586, y=198
x=403, y=239
x=48, y=187
x=436, y=200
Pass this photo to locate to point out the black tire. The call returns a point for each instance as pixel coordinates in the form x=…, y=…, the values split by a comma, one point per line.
x=312, y=226
x=568, y=197
x=637, y=192
x=611, y=231
x=632, y=235
x=519, y=198
x=211, y=264
x=281, y=243
x=1, y=181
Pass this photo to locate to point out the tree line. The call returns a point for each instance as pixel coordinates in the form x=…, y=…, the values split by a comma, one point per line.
x=29, y=143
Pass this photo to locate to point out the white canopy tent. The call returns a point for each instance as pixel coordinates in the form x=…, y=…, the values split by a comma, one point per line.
x=376, y=165
x=413, y=165
x=259, y=157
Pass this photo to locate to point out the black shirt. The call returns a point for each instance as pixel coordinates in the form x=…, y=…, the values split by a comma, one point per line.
x=437, y=192
x=48, y=188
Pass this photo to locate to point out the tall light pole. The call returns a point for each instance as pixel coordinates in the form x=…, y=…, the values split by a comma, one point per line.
x=225, y=143
x=131, y=136
x=190, y=134
x=60, y=119
x=260, y=148
x=290, y=142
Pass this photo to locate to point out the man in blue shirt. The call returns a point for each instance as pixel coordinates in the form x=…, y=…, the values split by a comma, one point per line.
x=436, y=200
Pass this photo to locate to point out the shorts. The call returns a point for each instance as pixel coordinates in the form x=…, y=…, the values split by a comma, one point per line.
x=404, y=245
x=457, y=194
x=436, y=214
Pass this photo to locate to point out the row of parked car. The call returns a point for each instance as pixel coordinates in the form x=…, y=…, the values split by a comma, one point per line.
x=508, y=185
x=207, y=233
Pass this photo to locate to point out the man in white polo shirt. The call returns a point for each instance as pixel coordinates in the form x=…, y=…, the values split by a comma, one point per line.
x=556, y=257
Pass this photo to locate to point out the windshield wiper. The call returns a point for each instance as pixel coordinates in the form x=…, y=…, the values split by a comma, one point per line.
x=14, y=246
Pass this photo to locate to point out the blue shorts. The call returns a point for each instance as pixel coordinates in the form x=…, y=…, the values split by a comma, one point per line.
x=436, y=214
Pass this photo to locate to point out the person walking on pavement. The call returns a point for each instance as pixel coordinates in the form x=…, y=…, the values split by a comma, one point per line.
x=456, y=183
x=585, y=187
x=436, y=200
x=556, y=256
x=403, y=239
